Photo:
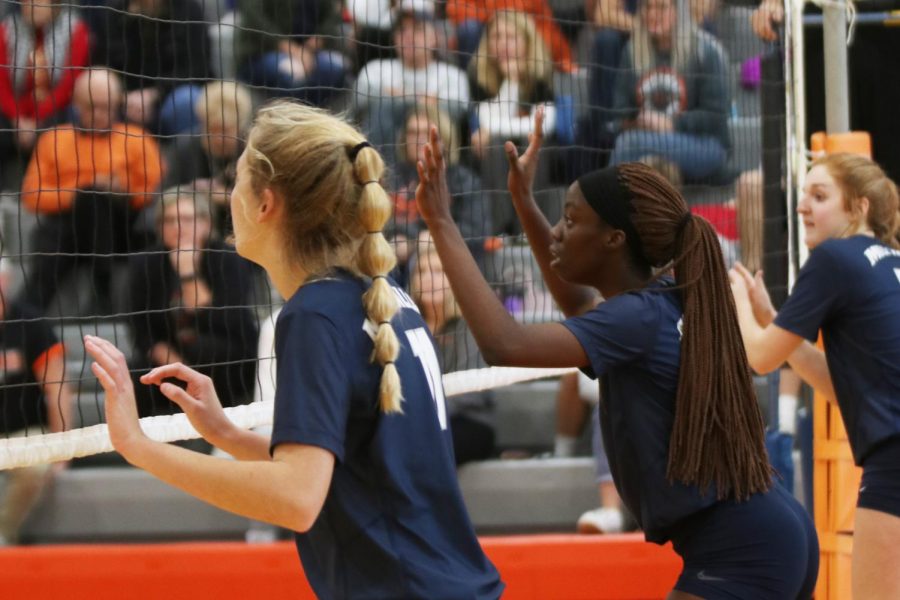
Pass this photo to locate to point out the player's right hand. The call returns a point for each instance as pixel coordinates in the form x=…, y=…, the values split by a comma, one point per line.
x=522, y=168
x=198, y=399
x=432, y=194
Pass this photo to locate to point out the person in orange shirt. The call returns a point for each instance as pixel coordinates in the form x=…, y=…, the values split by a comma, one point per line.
x=88, y=183
x=469, y=16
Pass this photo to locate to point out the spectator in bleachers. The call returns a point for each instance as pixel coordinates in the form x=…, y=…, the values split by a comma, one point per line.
x=288, y=47
x=613, y=21
x=471, y=415
x=207, y=161
x=386, y=88
x=161, y=49
x=723, y=216
x=470, y=17
x=470, y=209
x=190, y=299
x=513, y=75
x=88, y=184
x=42, y=50
x=672, y=95
x=512, y=72
x=34, y=399
x=372, y=24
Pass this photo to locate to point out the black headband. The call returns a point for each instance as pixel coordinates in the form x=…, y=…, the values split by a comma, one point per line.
x=352, y=152
x=607, y=195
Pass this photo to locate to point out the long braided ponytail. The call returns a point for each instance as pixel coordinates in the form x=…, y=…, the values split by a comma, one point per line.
x=376, y=258
x=718, y=437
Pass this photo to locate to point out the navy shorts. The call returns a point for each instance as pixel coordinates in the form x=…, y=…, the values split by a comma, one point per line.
x=764, y=548
x=880, y=486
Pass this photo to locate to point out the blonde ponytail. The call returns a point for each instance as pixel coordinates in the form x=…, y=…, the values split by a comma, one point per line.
x=336, y=210
x=376, y=259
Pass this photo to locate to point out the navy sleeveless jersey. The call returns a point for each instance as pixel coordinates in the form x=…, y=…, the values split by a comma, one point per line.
x=850, y=289
x=394, y=524
x=633, y=342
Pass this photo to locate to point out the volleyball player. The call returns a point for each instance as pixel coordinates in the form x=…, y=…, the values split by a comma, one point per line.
x=361, y=463
x=849, y=288
x=681, y=426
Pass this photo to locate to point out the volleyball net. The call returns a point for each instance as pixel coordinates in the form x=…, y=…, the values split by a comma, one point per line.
x=121, y=124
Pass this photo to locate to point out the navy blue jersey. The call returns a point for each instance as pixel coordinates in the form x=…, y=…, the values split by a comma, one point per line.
x=850, y=289
x=394, y=524
x=633, y=342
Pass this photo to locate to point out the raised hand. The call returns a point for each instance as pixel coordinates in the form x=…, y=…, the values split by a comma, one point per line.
x=198, y=400
x=763, y=310
x=121, y=411
x=522, y=168
x=764, y=19
x=432, y=194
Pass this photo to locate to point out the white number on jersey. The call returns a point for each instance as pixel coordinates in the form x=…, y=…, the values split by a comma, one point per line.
x=424, y=350
x=897, y=273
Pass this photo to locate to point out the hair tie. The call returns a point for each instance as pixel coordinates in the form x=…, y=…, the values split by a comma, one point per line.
x=374, y=232
x=364, y=183
x=384, y=323
x=685, y=219
x=352, y=152
x=388, y=362
x=374, y=277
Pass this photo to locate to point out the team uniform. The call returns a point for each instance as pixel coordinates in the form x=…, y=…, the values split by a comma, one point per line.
x=394, y=524
x=26, y=343
x=764, y=547
x=850, y=289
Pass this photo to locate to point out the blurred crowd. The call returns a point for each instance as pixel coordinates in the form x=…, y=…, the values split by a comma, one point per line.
x=121, y=122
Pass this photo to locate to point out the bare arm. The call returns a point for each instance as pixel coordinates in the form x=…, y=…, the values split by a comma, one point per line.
x=572, y=299
x=810, y=364
x=807, y=360
x=201, y=405
x=500, y=338
x=288, y=490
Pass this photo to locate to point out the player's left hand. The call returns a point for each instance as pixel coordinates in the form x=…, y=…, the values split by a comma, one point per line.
x=432, y=193
x=111, y=370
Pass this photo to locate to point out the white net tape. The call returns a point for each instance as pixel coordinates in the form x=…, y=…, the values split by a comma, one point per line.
x=54, y=447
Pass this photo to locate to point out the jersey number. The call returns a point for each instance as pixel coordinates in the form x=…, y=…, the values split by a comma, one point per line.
x=424, y=350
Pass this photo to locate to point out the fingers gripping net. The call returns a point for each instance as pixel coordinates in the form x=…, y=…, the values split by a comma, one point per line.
x=54, y=447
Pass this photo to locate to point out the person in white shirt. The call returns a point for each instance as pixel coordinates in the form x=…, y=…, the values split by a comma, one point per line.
x=385, y=89
x=513, y=71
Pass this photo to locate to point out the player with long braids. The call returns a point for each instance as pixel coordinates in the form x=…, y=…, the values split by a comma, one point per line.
x=360, y=460
x=681, y=425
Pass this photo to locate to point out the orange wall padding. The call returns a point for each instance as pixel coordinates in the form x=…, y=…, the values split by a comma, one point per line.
x=542, y=567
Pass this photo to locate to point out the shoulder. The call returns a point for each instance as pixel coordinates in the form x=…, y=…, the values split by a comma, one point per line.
x=133, y=132
x=629, y=314
x=375, y=68
x=836, y=252
x=60, y=134
x=139, y=262
x=709, y=49
x=337, y=299
x=446, y=69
